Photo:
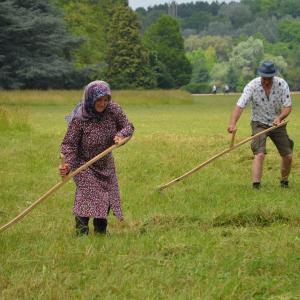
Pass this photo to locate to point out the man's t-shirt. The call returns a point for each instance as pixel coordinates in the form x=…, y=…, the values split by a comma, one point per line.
x=266, y=109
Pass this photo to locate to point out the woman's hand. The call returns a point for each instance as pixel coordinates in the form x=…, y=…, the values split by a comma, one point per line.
x=64, y=170
x=118, y=140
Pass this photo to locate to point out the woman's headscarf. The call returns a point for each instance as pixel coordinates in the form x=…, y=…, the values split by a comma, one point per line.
x=85, y=109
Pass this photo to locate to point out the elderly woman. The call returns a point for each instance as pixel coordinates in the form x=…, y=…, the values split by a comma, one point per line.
x=95, y=124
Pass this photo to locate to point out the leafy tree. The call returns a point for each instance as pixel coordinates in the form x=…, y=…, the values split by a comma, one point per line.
x=147, y=19
x=292, y=72
x=246, y=57
x=289, y=31
x=89, y=20
x=222, y=45
x=191, y=15
x=254, y=5
x=86, y=20
x=277, y=49
x=198, y=20
x=35, y=46
x=290, y=7
x=269, y=6
x=186, y=10
x=128, y=61
x=278, y=8
x=187, y=32
x=268, y=28
x=195, y=55
x=200, y=72
x=233, y=80
x=151, y=15
x=220, y=28
x=219, y=73
x=238, y=13
x=192, y=42
x=164, y=38
x=241, y=67
x=210, y=57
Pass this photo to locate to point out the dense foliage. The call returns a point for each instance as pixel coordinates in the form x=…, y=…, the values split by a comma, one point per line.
x=65, y=43
x=128, y=61
x=164, y=40
x=226, y=41
x=35, y=46
x=90, y=20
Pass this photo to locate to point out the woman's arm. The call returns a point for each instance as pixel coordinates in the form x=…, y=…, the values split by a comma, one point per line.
x=124, y=127
x=71, y=144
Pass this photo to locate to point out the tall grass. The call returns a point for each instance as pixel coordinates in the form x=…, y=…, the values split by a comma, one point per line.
x=54, y=97
x=208, y=237
x=13, y=120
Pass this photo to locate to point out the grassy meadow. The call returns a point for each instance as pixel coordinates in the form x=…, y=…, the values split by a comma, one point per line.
x=209, y=236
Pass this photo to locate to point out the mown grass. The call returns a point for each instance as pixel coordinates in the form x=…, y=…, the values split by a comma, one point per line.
x=208, y=237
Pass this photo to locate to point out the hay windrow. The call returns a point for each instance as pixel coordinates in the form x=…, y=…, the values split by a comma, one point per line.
x=261, y=218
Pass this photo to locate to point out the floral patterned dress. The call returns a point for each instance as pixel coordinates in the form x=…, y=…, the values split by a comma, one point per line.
x=97, y=187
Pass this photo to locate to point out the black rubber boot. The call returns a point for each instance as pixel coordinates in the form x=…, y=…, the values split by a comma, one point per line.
x=100, y=225
x=81, y=225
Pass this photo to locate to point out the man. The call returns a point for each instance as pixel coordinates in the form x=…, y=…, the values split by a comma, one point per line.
x=214, y=89
x=271, y=104
x=226, y=89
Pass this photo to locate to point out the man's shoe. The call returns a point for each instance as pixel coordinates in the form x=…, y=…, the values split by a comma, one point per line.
x=284, y=184
x=256, y=185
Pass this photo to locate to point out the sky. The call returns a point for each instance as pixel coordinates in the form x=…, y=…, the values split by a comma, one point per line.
x=145, y=3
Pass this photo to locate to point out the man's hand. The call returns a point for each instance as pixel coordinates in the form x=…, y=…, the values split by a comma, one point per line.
x=234, y=118
x=231, y=128
x=276, y=121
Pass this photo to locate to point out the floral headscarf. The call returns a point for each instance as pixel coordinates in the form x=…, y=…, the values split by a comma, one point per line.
x=85, y=109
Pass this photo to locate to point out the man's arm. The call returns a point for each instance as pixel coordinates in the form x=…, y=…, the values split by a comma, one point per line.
x=284, y=113
x=234, y=118
x=240, y=105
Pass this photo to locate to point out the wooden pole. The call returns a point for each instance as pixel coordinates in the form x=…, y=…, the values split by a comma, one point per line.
x=162, y=187
x=61, y=183
x=232, y=139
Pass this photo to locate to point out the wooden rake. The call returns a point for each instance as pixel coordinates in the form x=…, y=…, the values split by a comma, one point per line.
x=232, y=147
x=64, y=180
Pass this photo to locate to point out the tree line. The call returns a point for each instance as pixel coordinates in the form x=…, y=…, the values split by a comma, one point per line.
x=66, y=43
x=225, y=42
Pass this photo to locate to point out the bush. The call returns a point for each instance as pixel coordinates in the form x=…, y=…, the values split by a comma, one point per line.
x=197, y=88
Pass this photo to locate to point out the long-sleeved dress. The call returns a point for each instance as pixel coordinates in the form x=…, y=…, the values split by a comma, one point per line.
x=97, y=188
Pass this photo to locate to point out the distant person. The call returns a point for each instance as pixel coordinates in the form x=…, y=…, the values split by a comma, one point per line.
x=226, y=89
x=271, y=104
x=214, y=89
x=95, y=124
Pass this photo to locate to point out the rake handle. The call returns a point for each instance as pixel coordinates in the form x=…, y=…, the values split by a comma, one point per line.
x=61, y=183
x=232, y=138
x=162, y=187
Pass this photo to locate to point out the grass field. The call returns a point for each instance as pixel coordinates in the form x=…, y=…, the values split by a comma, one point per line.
x=208, y=237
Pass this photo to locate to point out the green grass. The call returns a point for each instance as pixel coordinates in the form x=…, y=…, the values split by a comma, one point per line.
x=52, y=97
x=208, y=237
